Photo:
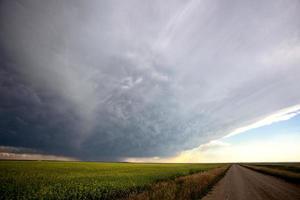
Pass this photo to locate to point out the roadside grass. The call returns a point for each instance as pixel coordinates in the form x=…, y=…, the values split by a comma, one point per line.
x=291, y=167
x=183, y=188
x=86, y=180
x=288, y=172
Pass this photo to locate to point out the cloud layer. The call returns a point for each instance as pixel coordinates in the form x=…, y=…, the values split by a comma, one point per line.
x=110, y=79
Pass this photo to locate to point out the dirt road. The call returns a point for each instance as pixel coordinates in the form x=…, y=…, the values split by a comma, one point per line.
x=241, y=183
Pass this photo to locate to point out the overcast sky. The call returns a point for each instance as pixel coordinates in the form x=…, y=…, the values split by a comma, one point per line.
x=105, y=80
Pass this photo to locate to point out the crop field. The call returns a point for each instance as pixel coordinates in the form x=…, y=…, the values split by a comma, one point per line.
x=85, y=180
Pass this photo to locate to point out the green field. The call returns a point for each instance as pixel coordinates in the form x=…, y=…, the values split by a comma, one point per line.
x=84, y=180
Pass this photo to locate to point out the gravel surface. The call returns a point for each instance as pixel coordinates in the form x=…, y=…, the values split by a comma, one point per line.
x=241, y=183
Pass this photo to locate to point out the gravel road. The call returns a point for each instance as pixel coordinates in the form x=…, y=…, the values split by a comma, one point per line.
x=241, y=183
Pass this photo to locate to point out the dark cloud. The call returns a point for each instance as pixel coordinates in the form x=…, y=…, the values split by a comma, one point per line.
x=108, y=80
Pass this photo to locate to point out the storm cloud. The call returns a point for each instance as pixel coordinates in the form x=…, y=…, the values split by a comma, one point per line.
x=113, y=79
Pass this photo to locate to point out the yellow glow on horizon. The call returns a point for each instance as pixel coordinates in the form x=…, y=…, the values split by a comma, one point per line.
x=284, y=148
x=279, y=149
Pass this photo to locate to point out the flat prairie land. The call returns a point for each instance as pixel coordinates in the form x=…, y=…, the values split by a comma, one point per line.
x=287, y=171
x=86, y=180
x=291, y=167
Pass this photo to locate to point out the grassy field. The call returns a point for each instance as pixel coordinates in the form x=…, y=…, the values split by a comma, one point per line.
x=85, y=180
x=189, y=187
x=291, y=167
x=287, y=171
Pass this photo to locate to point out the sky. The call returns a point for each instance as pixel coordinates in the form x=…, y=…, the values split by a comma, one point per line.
x=150, y=80
x=275, y=141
